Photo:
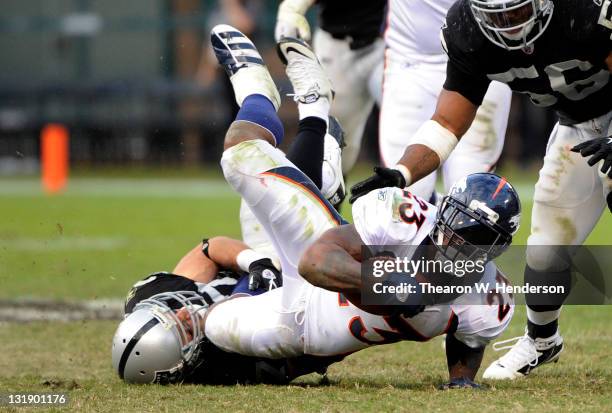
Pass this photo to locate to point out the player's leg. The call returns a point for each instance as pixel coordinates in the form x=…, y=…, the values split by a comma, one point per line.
x=349, y=71
x=408, y=100
x=318, y=146
x=480, y=148
x=284, y=200
x=568, y=201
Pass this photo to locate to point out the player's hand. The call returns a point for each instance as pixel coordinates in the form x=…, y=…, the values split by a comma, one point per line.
x=598, y=149
x=263, y=274
x=291, y=23
x=382, y=178
x=460, y=383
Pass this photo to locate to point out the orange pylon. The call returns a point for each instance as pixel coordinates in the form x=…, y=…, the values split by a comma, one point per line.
x=54, y=157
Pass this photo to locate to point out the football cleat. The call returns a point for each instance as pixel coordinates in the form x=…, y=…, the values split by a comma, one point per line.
x=525, y=355
x=332, y=180
x=304, y=71
x=243, y=64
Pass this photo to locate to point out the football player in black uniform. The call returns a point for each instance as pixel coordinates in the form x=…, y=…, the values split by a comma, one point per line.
x=221, y=267
x=559, y=53
x=350, y=47
x=209, y=273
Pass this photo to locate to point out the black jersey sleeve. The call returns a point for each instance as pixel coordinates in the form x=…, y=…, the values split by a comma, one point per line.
x=463, y=41
x=156, y=283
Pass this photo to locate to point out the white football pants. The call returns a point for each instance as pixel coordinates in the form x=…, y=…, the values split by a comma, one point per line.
x=356, y=77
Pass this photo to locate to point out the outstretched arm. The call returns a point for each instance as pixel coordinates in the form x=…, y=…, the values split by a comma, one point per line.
x=454, y=115
x=431, y=145
x=222, y=253
x=463, y=361
x=333, y=261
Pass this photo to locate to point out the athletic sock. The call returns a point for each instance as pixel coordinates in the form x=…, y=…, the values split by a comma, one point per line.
x=319, y=109
x=259, y=109
x=543, y=310
x=306, y=150
x=542, y=330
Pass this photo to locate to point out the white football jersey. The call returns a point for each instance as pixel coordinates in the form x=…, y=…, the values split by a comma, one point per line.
x=413, y=28
x=393, y=216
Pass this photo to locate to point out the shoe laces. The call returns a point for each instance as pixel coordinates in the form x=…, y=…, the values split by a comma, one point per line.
x=520, y=347
x=301, y=72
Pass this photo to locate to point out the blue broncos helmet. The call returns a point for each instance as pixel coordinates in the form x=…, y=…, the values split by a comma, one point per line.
x=477, y=218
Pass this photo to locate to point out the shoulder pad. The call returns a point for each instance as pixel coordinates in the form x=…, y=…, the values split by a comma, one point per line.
x=582, y=20
x=460, y=30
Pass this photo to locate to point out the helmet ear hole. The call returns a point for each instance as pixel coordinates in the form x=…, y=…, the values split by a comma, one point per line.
x=138, y=353
x=142, y=372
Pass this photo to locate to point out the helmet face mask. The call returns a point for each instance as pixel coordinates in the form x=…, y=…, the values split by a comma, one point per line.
x=463, y=234
x=512, y=24
x=477, y=219
x=154, y=345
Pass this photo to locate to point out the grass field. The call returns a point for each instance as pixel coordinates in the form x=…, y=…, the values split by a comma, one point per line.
x=105, y=232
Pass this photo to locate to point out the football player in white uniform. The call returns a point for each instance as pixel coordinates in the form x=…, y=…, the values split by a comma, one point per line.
x=415, y=69
x=350, y=48
x=559, y=53
x=300, y=318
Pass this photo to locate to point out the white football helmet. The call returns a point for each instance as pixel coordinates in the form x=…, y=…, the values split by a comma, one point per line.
x=512, y=24
x=152, y=345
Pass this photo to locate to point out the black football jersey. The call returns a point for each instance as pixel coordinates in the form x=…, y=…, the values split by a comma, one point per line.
x=164, y=282
x=218, y=366
x=564, y=70
x=360, y=20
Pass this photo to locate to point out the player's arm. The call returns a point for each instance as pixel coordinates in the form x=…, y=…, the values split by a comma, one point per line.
x=438, y=137
x=430, y=146
x=333, y=261
x=204, y=261
x=463, y=363
x=291, y=20
x=599, y=149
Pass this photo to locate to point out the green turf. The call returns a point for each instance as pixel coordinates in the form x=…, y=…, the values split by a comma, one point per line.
x=102, y=234
x=97, y=238
x=75, y=358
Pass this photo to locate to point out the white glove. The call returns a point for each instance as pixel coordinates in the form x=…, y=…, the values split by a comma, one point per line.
x=290, y=21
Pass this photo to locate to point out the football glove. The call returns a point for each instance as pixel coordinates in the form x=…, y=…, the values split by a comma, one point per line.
x=382, y=178
x=460, y=383
x=291, y=22
x=598, y=149
x=263, y=274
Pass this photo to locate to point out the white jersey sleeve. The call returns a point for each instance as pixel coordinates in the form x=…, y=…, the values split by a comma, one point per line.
x=392, y=216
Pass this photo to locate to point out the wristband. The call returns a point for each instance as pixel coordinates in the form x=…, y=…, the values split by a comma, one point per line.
x=405, y=173
x=437, y=138
x=205, y=245
x=245, y=258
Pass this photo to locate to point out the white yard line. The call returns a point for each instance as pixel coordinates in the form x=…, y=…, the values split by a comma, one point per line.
x=158, y=188
x=26, y=310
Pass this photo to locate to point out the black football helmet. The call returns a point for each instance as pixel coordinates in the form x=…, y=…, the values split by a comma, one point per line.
x=478, y=218
x=512, y=24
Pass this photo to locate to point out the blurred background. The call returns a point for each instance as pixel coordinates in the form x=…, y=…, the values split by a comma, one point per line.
x=136, y=85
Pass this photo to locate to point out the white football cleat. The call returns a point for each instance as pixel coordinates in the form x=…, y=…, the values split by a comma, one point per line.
x=332, y=180
x=243, y=64
x=525, y=355
x=304, y=71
